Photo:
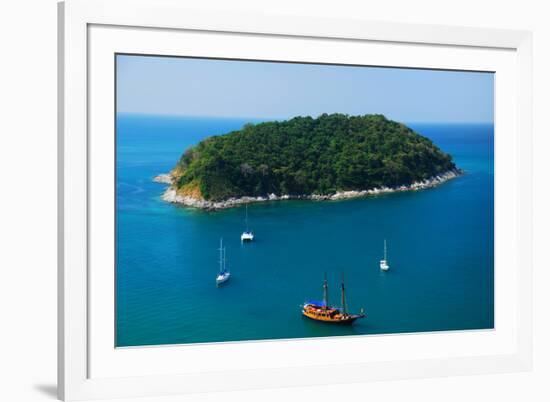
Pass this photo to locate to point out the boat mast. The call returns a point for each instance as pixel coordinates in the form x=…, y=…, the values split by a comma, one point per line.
x=385, y=251
x=246, y=217
x=325, y=291
x=221, y=255
x=224, y=269
x=344, y=306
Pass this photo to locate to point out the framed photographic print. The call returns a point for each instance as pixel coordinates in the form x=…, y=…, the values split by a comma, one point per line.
x=256, y=201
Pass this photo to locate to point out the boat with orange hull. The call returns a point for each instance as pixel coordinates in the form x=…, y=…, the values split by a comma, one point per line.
x=321, y=311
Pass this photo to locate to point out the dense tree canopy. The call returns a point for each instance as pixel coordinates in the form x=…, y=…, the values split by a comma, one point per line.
x=308, y=155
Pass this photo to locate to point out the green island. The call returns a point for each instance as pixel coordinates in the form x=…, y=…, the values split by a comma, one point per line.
x=329, y=157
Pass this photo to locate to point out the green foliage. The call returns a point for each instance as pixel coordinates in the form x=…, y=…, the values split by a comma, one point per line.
x=311, y=156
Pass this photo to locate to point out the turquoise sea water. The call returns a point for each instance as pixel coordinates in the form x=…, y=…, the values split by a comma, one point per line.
x=440, y=248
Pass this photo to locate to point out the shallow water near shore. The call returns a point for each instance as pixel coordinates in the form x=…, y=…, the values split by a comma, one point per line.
x=440, y=249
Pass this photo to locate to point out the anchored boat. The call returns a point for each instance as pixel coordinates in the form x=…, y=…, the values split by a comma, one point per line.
x=247, y=235
x=224, y=274
x=321, y=311
x=384, y=263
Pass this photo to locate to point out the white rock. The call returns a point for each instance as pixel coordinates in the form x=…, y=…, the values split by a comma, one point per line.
x=163, y=178
x=170, y=194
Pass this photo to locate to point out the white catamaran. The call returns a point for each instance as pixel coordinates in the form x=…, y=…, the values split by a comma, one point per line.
x=247, y=235
x=224, y=274
x=384, y=263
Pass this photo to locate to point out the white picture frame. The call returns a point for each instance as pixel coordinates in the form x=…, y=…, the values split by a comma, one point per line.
x=89, y=367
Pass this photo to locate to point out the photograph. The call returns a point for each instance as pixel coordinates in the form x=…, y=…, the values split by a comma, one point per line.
x=265, y=200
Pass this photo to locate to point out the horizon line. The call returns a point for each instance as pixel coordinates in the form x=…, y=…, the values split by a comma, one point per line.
x=267, y=119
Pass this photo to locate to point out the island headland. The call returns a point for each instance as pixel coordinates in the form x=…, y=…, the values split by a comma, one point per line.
x=331, y=157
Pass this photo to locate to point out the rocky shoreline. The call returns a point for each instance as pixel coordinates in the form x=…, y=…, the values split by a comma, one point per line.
x=170, y=194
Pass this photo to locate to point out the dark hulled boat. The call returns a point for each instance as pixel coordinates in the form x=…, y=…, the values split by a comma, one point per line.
x=321, y=311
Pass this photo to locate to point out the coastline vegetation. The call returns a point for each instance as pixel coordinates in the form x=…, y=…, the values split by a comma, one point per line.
x=305, y=155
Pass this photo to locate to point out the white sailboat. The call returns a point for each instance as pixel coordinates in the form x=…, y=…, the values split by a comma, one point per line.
x=384, y=263
x=224, y=274
x=247, y=235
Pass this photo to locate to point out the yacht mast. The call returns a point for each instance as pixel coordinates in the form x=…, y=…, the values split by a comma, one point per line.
x=224, y=269
x=385, y=251
x=325, y=291
x=344, y=306
x=222, y=262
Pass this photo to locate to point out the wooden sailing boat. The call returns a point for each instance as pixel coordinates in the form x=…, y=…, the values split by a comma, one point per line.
x=247, y=235
x=224, y=274
x=321, y=311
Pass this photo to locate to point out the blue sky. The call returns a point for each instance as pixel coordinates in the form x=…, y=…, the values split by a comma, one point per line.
x=265, y=90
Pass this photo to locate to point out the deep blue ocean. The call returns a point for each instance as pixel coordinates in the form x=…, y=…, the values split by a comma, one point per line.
x=440, y=249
